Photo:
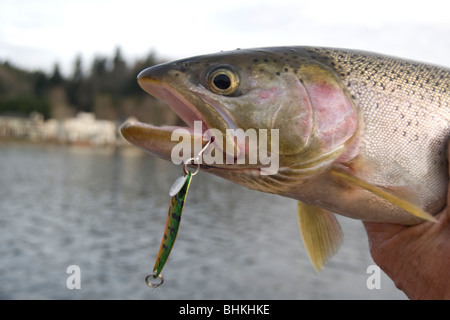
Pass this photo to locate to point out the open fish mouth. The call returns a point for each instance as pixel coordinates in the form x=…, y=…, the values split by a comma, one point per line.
x=160, y=140
x=177, y=102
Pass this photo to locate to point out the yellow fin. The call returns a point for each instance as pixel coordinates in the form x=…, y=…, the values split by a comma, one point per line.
x=404, y=204
x=321, y=233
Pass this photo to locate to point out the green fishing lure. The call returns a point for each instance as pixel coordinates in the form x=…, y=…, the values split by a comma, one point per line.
x=178, y=192
x=172, y=225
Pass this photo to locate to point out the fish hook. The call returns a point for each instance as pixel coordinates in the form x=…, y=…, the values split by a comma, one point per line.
x=195, y=160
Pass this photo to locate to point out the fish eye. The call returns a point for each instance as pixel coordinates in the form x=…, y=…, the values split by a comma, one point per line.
x=223, y=81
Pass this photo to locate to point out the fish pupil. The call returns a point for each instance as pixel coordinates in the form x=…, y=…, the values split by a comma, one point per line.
x=222, y=81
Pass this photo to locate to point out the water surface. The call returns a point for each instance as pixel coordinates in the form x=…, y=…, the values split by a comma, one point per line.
x=104, y=210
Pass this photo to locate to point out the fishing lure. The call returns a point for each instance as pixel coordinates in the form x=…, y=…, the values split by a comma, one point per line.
x=178, y=192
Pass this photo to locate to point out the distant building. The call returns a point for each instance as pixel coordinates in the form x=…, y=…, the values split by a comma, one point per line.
x=83, y=129
x=15, y=127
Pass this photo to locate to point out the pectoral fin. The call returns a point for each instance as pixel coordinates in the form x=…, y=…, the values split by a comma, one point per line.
x=321, y=233
x=402, y=203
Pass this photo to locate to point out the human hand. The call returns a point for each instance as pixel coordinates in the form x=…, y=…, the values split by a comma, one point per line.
x=416, y=258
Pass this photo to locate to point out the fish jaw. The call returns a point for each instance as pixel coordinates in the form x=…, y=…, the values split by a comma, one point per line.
x=158, y=140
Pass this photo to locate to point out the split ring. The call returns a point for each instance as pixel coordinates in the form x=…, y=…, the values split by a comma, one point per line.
x=151, y=284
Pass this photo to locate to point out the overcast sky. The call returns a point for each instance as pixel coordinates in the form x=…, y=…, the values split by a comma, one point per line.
x=36, y=34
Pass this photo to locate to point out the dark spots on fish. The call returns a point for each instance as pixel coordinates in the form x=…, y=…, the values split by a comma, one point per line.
x=286, y=70
x=371, y=78
x=266, y=60
x=255, y=60
x=177, y=74
x=183, y=66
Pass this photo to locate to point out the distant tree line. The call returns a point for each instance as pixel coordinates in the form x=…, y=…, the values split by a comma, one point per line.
x=108, y=88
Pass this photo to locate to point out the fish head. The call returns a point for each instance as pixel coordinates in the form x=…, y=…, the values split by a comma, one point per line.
x=298, y=103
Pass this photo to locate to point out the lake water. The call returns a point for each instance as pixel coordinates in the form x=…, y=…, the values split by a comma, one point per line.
x=104, y=211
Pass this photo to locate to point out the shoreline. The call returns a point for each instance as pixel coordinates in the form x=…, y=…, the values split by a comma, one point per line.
x=82, y=130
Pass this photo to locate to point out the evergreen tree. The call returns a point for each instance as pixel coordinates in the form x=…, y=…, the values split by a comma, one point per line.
x=56, y=79
x=79, y=92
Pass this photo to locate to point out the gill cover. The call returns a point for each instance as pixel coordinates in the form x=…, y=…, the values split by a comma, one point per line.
x=335, y=117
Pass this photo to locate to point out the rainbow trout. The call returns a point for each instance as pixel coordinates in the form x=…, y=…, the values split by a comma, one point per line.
x=359, y=134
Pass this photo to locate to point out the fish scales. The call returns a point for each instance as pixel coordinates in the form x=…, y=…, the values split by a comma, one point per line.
x=404, y=105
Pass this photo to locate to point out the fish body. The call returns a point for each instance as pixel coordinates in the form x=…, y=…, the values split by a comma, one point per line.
x=361, y=134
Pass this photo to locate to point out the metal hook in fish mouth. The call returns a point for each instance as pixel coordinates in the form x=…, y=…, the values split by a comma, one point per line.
x=196, y=159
